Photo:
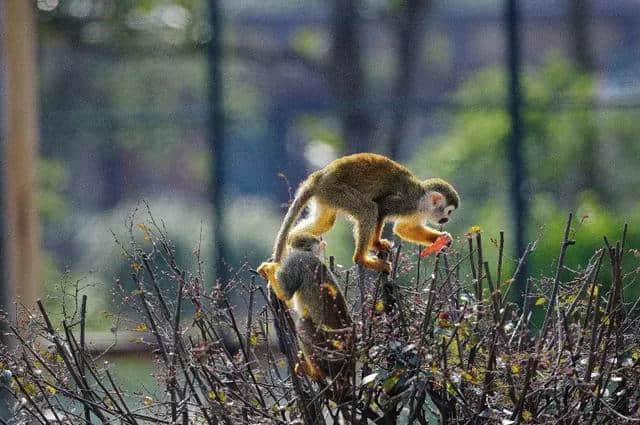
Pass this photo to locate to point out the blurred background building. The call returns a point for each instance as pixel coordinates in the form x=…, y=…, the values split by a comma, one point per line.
x=129, y=108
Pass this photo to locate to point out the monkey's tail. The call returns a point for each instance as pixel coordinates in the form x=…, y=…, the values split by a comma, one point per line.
x=302, y=197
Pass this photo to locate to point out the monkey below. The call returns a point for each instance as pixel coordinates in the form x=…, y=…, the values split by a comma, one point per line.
x=323, y=324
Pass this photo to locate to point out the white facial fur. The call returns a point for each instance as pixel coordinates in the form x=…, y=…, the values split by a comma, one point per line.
x=433, y=205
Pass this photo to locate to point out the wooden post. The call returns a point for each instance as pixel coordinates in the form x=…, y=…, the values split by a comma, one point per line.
x=19, y=139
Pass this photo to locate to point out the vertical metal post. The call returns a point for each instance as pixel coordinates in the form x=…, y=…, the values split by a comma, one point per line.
x=216, y=135
x=514, y=148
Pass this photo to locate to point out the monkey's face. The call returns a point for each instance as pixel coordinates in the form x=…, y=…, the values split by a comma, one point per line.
x=436, y=208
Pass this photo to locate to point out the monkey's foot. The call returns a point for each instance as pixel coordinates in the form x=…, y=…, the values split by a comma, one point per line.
x=306, y=367
x=383, y=245
x=374, y=264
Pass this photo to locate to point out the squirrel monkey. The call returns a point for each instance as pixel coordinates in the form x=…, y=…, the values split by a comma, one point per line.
x=371, y=189
x=323, y=325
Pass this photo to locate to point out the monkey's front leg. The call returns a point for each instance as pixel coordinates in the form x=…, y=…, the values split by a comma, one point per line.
x=416, y=232
x=378, y=242
x=365, y=235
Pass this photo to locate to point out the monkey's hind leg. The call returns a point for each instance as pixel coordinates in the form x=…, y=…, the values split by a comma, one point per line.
x=365, y=213
x=306, y=366
x=378, y=242
x=365, y=238
x=320, y=220
x=268, y=271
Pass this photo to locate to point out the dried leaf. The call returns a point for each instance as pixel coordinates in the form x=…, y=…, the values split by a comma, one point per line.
x=438, y=245
x=142, y=327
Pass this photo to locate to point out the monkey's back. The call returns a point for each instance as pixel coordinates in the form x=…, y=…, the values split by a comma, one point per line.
x=370, y=174
x=323, y=323
x=298, y=268
x=305, y=276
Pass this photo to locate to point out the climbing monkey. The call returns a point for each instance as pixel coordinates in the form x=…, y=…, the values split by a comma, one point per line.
x=371, y=189
x=323, y=323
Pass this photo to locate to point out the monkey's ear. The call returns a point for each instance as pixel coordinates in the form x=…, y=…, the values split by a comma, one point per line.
x=435, y=198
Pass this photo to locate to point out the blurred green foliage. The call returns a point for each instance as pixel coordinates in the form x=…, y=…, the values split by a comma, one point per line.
x=564, y=135
x=250, y=224
x=53, y=179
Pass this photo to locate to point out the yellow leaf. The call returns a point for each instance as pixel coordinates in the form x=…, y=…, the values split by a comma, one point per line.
x=508, y=282
x=142, y=327
x=469, y=377
x=254, y=340
x=541, y=301
x=136, y=267
x=466, y=376
x=28, y=387
x=220, y=396
x=380, y=306
x=145, y=230
x=443, y=321
x=527, y=416
x=390, y=383
x=594, y=290
x=337, y=344
x=51, y=390
x=148, y=401
x=515, y=369
x=474, y=229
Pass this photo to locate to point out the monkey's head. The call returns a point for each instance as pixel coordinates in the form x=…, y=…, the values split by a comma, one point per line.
x=307, y=242
x=440, y=200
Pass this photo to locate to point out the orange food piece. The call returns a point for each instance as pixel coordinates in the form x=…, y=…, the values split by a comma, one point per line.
x=438, y=245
